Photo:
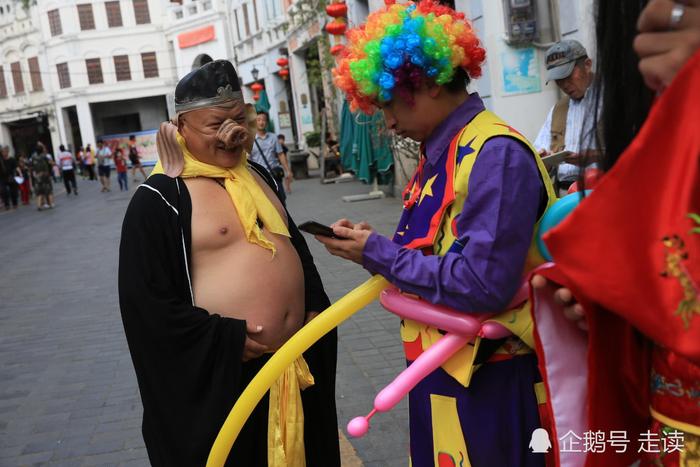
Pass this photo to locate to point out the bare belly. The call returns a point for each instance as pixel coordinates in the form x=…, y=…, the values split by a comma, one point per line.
x=235, y=278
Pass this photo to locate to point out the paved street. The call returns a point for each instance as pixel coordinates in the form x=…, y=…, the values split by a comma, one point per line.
x=68, y=393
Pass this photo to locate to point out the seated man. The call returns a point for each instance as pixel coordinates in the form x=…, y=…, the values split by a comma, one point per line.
x=570, y=124
x=213, y=276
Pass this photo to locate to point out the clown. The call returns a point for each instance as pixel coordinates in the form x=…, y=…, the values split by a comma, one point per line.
x=465, y=237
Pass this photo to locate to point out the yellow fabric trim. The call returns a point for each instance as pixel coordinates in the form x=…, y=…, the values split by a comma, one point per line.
x=541, y=393
x=519, y=322
x=460, y=365
x=448, y=438
x=247, y=196
x=682, y=426
x=285, y=423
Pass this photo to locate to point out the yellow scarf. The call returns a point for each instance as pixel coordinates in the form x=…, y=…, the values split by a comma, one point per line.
x=248, y=198
x=285, y=422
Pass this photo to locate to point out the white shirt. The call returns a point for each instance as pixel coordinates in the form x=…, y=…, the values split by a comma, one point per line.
x=65, y=159
x=104, y=156
x=580, y=132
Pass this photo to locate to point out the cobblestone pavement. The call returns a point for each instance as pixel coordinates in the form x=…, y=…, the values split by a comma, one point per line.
x=68, y=393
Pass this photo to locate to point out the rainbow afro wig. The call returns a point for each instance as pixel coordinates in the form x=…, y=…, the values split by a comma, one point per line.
x=402, y=46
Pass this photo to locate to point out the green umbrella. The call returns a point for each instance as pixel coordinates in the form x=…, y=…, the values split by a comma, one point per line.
x=348, y=150
x=365, y=147
x=263, y=105
x=382, y=157
x=374, y=156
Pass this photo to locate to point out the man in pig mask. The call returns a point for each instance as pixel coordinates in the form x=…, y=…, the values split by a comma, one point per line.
x=213, y=277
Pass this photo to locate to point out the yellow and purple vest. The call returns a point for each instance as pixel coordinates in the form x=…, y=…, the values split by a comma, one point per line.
x=428, y=223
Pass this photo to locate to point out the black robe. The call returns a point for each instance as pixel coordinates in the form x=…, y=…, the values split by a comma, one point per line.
x=187, y=361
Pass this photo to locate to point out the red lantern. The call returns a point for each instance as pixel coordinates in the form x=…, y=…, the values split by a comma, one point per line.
x=337, y=27
x=284, y=73
x=282, y=62
x=337, y=10
x=337, y=49
x=256, y=87
x=256, y=97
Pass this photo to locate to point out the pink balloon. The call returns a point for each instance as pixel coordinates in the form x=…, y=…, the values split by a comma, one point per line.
x=460, y=327
x=493, y=330
x=438, y=316
x=426, y=363
x=358, y=427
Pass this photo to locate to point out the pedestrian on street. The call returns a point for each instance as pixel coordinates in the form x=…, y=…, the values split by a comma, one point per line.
x=332, y=155
x=196, y=337
x=135, y=159
x=68, y=163
x=462, y=248
x=80, y=161
x=55, y=171
x=268, y=152
x=285, y=150
x=8, y=184
x=122, y=170
x=41, y=164
x=25, y=188
x=89, y=156
x=104, y=165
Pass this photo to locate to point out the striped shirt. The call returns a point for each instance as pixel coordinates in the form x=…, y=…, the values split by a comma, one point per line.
x=580, y=133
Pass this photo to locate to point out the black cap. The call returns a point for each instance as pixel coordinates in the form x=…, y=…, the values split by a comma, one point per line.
x=211, y=84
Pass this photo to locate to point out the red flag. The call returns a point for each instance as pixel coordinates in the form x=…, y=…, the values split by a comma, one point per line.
x=633, y=248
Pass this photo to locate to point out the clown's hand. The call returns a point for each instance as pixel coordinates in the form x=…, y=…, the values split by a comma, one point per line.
x=351, y=241
x=563, y=296
x=348, y=224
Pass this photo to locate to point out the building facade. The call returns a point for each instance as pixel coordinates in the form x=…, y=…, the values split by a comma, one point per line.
x=101, y=68
x=197, y=32
x=26, y=113
x=72, y=71
x=259, y=29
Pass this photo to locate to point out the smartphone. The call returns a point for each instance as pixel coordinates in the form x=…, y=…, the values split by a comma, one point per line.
x=315, y=228
x=557, y=158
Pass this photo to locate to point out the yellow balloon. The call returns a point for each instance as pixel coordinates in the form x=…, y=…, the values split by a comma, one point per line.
x=338, y=312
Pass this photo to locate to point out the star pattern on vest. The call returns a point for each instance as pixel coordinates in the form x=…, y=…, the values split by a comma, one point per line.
x=463, y=151
x=427, y=189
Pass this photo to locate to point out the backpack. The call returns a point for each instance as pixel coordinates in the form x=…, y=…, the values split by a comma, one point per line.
x=40, y=163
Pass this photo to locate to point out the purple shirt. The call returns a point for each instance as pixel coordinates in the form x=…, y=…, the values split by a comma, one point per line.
x=496, y=226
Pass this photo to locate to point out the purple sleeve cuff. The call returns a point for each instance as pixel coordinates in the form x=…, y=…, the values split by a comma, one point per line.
x=379, y=255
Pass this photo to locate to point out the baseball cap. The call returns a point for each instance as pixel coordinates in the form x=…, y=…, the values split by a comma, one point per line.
x=560, y=59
